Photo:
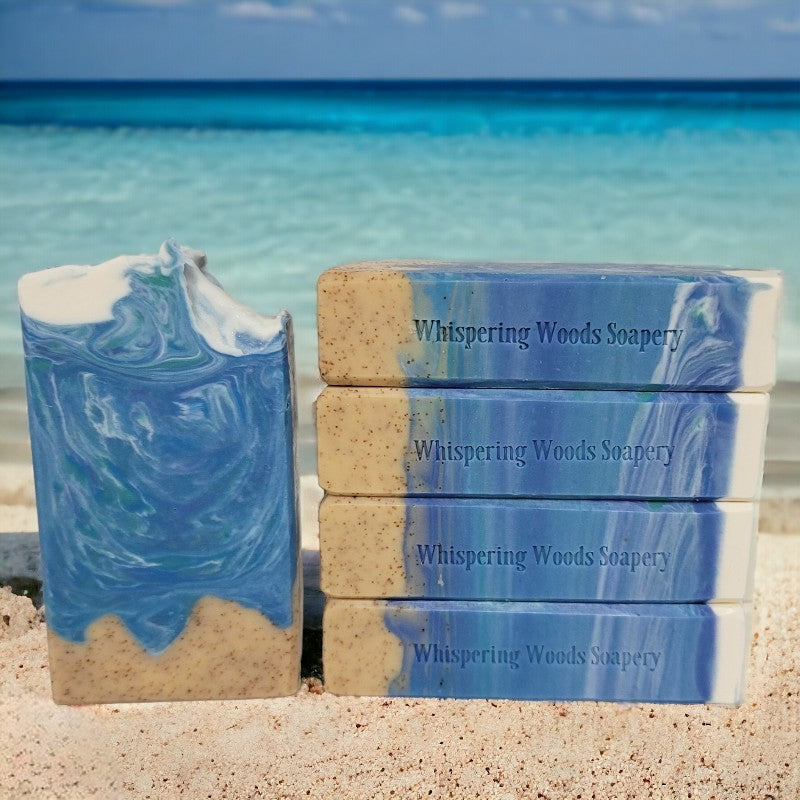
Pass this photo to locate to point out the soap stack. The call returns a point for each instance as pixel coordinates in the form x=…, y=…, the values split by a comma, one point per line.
x=541, y=479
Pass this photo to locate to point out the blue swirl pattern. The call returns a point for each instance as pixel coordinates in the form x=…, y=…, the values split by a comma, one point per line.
x=528, y=540
x=497, y=636
x=699, y=427
x=164, y=468
x=709, y=308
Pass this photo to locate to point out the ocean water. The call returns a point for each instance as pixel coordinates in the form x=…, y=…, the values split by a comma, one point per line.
x=278, y=182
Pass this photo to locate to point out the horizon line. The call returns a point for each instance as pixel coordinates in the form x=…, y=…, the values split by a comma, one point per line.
x=698, y=82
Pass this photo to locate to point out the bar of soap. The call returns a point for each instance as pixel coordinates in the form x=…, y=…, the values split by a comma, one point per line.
x=562, y=550
x=540, y=443
x=161, y=418
x=693, y=653
x=548, y=326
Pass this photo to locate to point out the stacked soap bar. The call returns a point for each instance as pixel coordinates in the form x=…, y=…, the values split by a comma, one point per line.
x=497, y=526
x=161, y=418
x=500, y=549
x=537, y=651
x=548, y=325
x=541, y=443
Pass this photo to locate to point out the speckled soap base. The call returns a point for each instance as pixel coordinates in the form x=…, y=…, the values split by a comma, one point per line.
x=225, y=652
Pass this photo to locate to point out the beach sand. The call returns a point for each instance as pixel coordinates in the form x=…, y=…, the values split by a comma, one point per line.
x=317, y=745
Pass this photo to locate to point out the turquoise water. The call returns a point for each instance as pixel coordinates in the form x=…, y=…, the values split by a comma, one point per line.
x=277, y=183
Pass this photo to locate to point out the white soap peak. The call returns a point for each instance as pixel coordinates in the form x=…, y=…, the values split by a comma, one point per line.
x=221, y=320
x=76, y=294
x=86, y=295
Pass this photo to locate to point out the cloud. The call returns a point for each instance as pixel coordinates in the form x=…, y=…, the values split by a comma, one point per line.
x=645, y=10
x=785, y=27
x=134, y=4
x=128, y=5
x=410, y=15
x=157, y=3
x=260, y=9
x=649, y=15
x=460, y=9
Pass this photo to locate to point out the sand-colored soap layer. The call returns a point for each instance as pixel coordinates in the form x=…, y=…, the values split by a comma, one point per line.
x=350, y=526
x=225, y=651
x=364, y=325
x=362, y=444
x=359, y=654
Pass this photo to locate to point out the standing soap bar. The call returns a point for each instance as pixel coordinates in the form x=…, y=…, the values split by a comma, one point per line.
x=568, y=550
x=548, y=326
x=161, y=417
x=658, y=653
x=540, y=443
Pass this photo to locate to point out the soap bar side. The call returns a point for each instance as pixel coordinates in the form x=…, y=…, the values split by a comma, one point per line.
x=548, y=326
x=554, y=550
x=537, y=651
x=536, y=443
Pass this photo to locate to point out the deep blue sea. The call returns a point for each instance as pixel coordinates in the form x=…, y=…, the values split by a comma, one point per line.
x=278, y=181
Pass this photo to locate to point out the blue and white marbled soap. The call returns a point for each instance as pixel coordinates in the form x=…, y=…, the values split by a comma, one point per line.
x=161, y=418
x=522, y=549
x=548, y=326
x=660, y=653
x=541, y=443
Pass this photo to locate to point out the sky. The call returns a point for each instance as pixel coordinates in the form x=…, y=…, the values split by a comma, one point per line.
x=361, y=39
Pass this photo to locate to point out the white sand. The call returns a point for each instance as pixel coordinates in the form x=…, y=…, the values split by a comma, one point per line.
x=317, y=745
